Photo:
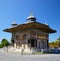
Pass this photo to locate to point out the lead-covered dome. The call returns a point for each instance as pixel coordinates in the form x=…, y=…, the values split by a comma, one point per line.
x=31, y=18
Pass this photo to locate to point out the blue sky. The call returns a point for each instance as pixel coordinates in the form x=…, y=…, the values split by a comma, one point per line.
x=19, y=10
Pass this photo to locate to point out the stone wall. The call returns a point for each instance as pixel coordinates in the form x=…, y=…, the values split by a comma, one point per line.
x=21, y=38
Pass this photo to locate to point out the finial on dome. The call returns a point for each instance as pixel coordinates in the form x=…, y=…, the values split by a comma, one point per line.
x=45, y=22
x=31, y=13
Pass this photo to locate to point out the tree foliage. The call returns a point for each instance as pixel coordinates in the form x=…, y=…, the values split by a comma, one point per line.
x=55, y=43
x=4, y=42
x=1, y=46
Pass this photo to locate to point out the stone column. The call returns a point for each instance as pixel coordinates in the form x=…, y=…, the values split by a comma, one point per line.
x=22, y=46
x=38, y=43
x=26, y=46
x=15, y=45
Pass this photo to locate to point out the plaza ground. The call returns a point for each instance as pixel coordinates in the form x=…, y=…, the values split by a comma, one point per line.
x=4, y=56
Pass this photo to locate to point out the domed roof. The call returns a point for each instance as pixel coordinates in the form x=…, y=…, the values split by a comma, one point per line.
x=31, y=18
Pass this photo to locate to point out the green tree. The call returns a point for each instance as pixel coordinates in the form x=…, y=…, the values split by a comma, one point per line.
x=55, y=43
x=51, y=43
x=4, y=42
x=58, y=41
x=1, y=46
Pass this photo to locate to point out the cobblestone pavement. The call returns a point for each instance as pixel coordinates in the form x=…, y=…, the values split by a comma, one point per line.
x=4, y=56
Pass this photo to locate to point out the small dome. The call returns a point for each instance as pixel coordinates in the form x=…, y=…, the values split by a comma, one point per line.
x=46, y=24
x=14, y=23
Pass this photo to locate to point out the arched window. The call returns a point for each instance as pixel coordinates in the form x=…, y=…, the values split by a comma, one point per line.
x=24, y=36
x=17, y=37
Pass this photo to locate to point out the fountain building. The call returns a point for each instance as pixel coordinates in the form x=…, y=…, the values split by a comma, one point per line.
x=30, y=35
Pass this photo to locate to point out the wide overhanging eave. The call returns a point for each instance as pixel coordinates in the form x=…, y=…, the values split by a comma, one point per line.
x=33, y=25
